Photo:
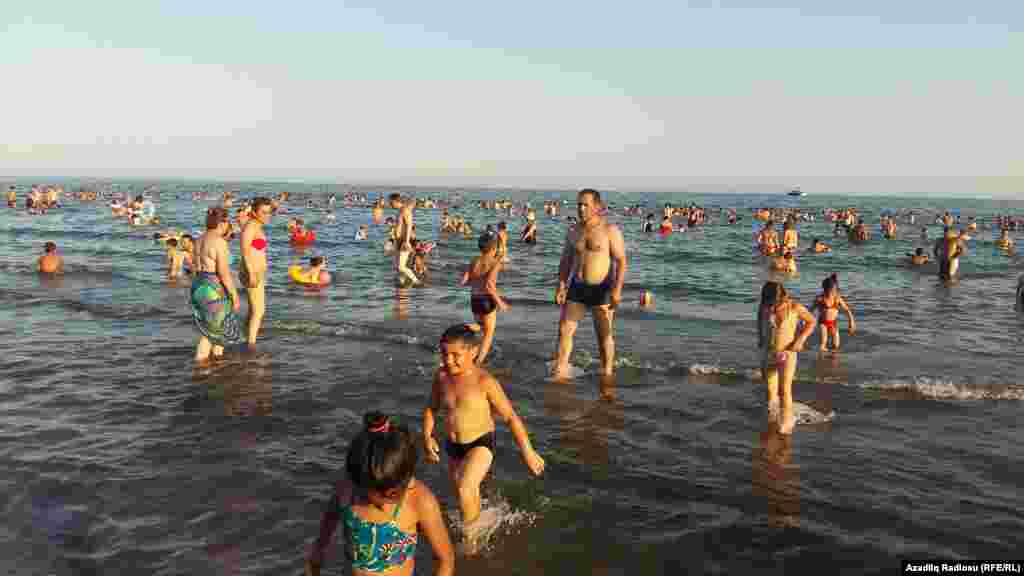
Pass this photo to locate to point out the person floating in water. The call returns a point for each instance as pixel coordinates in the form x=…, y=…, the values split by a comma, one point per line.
x=51, y=262
x=830, y=302
x=485, y=301
x=383, y=506
x=778, y=317
x=315, y=274
x=590, y=276
x=469, y=395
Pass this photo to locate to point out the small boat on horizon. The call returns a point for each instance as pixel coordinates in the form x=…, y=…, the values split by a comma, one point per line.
x=796, y=192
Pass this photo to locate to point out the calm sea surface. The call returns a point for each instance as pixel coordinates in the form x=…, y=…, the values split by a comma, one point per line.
x=118, y=457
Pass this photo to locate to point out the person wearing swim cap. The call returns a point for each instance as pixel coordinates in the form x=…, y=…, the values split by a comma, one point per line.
x=253, y=266
x=590, y=276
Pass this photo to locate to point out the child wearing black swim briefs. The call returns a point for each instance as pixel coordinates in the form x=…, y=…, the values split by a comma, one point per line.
x=468, y=394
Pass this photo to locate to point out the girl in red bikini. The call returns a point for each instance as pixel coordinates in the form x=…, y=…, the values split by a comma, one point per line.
x=830, y=302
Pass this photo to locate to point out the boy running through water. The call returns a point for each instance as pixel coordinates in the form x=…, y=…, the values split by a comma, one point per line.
x=469, y=394
x=482, y=275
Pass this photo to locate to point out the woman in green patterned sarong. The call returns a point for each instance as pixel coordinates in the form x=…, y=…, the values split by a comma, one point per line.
x=214, y=299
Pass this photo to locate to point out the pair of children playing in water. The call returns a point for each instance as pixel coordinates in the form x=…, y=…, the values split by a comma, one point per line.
x=383, y=506
x=779, y=338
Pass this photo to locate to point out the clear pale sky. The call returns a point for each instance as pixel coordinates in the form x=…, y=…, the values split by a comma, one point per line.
x=906, y=96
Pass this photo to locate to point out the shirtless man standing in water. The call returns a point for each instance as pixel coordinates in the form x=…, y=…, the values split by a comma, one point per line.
x=404, y=234
x=252, y=271
x=590, y=248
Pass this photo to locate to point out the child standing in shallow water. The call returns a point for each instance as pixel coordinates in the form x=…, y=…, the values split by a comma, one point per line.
x=778, y=317
x=468, y=394
x=485, y=302
x=383, y=507
x=830, y=302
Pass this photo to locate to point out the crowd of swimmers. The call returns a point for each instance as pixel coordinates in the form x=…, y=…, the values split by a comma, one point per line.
x=379, y=502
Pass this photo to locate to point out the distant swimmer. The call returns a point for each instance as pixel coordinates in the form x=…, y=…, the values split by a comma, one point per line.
x=175, y=258
x=830, y=302
x=252, y=272
x=529, y=234
x=784, y=263
x=1004, y=242
x=778, y=318
x=485, y=301
x=590, y=276
x=12, y=197
x=790, y=237
x=315, y=275
x=363, y=232
x=469, y=395
x=819, y=247
x=378, y=211
x=51, y=262
x=947, y=251
x=918, y=258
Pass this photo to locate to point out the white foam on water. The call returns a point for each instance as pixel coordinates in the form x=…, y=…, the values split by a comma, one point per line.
x=496, y=517
x=806, y=415
x=699, y=369
x=574, y=371
x=939, y=389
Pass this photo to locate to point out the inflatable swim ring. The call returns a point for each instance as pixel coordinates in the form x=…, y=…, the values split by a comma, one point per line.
x=306, y=238
x=297, y=276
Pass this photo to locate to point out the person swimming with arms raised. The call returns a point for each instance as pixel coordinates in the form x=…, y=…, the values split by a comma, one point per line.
x=469, y=395
x=382, y=507
x=591, y=273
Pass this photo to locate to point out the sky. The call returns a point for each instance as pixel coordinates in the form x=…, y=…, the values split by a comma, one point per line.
x=914, y=96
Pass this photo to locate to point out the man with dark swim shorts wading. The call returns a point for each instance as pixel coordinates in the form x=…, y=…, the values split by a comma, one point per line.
x=587, y=279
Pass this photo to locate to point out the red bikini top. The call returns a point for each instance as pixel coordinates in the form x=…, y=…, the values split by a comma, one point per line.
x=259, y=243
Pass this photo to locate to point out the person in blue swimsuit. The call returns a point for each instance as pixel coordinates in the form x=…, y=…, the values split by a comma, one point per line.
x=382, y=507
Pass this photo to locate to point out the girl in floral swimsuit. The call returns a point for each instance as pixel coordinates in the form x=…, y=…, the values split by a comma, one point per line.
x=382, y=507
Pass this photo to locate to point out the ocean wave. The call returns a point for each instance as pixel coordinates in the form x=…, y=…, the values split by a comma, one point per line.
x=939, y=389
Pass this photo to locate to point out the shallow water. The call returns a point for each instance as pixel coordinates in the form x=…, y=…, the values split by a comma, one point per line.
x=117, y=455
